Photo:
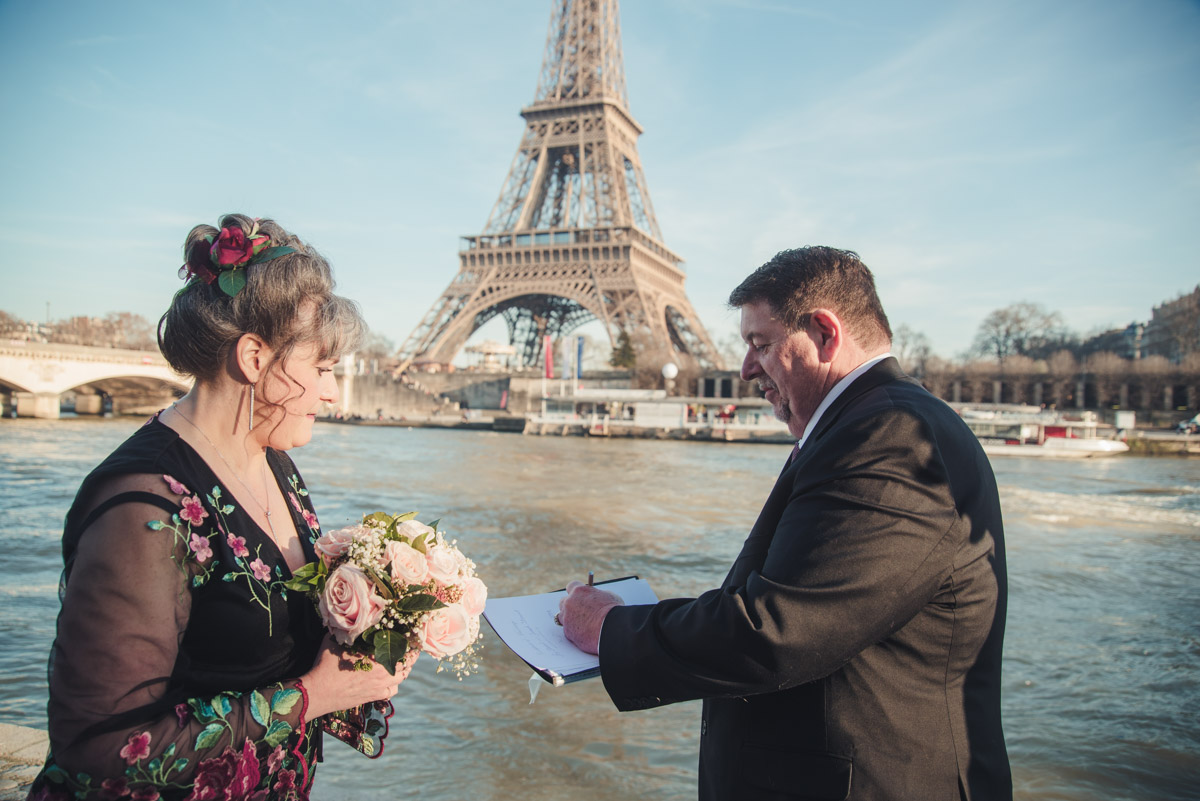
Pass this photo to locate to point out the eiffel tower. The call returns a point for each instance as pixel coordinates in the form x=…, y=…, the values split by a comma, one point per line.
x=572, y=237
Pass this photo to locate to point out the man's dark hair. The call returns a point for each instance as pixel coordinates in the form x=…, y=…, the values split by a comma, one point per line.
x=795, y=282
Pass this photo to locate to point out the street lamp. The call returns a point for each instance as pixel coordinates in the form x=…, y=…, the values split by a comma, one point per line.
x=669, y=371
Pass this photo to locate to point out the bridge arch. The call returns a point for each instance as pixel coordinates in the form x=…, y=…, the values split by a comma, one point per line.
x=35, y=376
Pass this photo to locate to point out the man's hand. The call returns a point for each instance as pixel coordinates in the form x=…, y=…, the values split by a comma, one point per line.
x=582, y=613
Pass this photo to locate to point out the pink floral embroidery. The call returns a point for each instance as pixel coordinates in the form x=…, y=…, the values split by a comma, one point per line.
x=199, y=546
x=183, y=712
x=285, y=784
x=295, y=502
x=193, y=512
x=145, y=794
x=137, y=748
x=311, y=520
x=260, y=571
x=275, y=759
x=237, y=545
x=175, y=486
x=114, y=788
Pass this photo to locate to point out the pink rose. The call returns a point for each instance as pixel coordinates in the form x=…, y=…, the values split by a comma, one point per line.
x=332, y=545
x=474, y=596
x=349, y=606
x=406, y=564
x=411, y=529
x=443, y=566
x=447, y=631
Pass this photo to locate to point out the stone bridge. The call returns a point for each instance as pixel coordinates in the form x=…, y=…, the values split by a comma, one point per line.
x=35, y=377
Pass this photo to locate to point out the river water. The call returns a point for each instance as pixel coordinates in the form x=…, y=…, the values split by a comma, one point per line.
x=1102, y=671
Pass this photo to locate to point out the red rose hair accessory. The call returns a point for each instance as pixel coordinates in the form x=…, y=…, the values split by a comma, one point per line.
x=231, y=251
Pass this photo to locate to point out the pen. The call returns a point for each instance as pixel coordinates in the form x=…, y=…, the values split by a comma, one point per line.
x=591, y=578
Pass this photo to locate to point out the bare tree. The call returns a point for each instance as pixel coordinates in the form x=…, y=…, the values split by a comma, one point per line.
x=977, y=378
x=9, y=324
x=1108, y=371
x=378, y=352
x=732, y=350
x=1153, y=373
x=911, y=348
x=1062, y=369
x=1023, y=329
x=1016, y=372
x=114, y=330
x=132, y=331
x=939, y=376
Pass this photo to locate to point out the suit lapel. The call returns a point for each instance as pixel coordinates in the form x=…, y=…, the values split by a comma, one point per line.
x=755, y=547
x=887, y=370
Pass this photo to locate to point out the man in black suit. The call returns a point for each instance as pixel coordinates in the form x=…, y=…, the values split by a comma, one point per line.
x=853, y=651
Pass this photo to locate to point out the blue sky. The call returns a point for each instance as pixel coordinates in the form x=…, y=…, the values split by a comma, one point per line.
x=974, y=154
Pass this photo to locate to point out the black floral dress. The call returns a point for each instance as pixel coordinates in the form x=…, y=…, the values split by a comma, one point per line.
x=174, y=673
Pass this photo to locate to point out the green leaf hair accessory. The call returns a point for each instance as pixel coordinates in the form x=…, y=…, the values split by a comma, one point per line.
x=232, y=251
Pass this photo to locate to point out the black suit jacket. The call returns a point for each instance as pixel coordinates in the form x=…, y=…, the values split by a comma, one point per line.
x=854, y=649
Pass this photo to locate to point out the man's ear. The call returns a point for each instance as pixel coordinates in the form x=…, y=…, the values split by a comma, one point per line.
x=826, y=331
x=252, y=355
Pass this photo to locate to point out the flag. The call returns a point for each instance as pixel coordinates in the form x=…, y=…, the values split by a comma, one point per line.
x=549, y=351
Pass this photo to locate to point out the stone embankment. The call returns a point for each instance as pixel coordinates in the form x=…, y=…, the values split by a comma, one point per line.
x=1163, y=443
x=22, y=752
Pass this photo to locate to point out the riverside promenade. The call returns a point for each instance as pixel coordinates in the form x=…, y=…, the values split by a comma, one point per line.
x=22, y=751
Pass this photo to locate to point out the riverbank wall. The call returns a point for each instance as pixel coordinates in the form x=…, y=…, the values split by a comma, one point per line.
x=1163, y=443
x=1141, y=443
x=519, y=424
x=22, y=752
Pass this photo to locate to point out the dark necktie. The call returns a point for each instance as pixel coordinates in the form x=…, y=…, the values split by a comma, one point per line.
x=792, y=456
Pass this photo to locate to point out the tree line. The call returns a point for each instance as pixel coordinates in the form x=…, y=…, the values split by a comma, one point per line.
x=113, y=330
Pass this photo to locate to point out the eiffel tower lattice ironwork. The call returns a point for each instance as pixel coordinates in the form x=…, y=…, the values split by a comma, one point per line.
x=572, y=237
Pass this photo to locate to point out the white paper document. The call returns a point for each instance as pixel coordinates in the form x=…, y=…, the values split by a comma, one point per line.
x=526, y=625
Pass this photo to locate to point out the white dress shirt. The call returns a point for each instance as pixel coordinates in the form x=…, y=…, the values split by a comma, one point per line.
x=833, y=394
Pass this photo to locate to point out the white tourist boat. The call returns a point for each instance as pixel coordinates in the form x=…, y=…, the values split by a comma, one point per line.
x=1031, y=431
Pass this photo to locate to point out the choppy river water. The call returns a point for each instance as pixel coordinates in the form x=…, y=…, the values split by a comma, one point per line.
x=1102, y=671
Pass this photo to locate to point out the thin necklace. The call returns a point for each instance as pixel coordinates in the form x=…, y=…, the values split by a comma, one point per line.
x=266, y=484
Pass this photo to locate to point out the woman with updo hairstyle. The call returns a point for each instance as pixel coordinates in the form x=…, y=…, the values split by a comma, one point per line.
x=182, y=667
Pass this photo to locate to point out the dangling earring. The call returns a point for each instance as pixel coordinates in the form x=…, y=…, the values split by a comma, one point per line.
x=251, y=407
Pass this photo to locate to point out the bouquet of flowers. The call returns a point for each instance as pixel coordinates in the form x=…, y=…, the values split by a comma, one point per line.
x=391, y=583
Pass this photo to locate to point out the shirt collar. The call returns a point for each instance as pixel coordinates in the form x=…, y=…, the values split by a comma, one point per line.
x=837, y=390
